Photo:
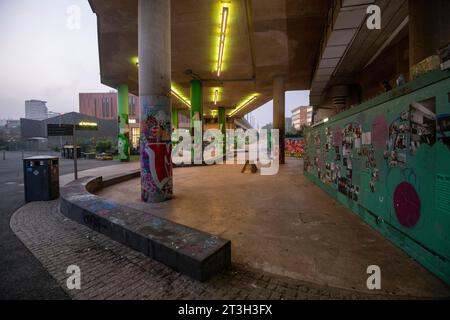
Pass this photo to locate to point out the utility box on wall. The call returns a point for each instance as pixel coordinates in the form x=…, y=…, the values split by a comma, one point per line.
x=41, y=178
x=388, y=160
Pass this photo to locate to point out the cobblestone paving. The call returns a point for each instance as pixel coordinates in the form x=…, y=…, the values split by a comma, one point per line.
x=110, y=270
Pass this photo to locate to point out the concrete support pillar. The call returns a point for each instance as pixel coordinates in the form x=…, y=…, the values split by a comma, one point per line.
x=279, y=121
x=124, y=128
x=197, y=116
x=223, y=127
x=429, y=28
x=155, y=93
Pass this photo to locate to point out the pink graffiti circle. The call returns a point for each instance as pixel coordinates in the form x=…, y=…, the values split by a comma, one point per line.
x=407, y=205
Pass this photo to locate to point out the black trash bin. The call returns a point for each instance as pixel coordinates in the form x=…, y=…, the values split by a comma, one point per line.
x=41, y=178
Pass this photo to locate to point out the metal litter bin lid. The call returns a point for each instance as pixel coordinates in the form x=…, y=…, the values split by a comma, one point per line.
x=42, y=158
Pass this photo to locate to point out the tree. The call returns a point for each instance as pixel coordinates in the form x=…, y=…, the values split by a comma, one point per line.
x=103, y=146
x=3, y=140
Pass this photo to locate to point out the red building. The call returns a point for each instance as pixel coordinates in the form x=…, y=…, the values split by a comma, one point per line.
x=104, y=105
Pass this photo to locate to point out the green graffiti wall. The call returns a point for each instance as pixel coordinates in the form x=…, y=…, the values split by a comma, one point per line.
x=388, y=160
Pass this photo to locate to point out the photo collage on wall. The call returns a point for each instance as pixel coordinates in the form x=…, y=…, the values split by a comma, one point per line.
x=397, y=145
x=318, y=156
x=330, y=175
x=340, y=150
x=349, y=144
x=423, y=124
x=339, y=172
x=443, y=127
x=412, y=128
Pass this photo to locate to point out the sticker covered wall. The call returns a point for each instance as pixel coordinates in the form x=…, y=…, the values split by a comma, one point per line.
x=388, y=160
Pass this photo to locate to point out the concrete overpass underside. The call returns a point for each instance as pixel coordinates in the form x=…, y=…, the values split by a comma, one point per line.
x=233, y=56
x=263, y=40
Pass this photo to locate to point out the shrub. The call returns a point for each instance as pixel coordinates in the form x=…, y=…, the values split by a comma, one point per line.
x=104, y=146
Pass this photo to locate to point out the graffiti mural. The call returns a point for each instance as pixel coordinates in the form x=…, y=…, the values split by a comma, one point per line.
x=156, y=149
x=124, y=138
x=388, y=161
x=294, y=148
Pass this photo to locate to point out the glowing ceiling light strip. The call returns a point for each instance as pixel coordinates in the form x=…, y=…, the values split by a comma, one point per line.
x=223, y=30
x=173, y=90
x=246, y=103
x=216, y=96
x=181, y=98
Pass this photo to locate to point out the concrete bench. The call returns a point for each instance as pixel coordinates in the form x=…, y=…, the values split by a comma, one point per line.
x=189, y=251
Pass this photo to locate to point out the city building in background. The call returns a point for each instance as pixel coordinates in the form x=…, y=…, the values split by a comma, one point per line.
x=31, y=130
x=302, y=116
x=103, y=105
x=9, y=134
x=52, y=114
x=12, y=129
x=36, y=110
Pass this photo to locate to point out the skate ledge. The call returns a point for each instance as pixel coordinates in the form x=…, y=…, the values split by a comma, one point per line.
x=192, y=252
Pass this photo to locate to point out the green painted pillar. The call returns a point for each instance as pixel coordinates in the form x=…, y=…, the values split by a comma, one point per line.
x=223, y=127
x=174, y=118
x=174, y=126
x=196, y=101
x=124, y=129
x=197, y=115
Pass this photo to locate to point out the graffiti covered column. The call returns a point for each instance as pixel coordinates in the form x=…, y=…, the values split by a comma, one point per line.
x=154, y=94
x=124, y=129
x=196, y=116
x=279, y=112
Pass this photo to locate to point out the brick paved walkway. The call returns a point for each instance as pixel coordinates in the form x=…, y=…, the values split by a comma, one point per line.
x=112, y=271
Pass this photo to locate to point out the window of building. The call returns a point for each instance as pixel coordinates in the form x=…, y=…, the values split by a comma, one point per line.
x=103, y=108
x=135, y=133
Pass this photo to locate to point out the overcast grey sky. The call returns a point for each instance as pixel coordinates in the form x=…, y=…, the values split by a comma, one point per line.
x=41, y=58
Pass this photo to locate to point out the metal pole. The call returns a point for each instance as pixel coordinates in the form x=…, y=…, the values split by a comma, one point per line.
x=75, y=153
x=60, y=137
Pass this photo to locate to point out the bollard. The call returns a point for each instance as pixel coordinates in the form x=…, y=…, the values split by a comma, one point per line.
x=4, y=154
